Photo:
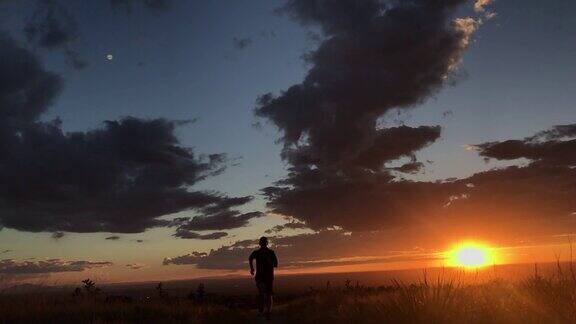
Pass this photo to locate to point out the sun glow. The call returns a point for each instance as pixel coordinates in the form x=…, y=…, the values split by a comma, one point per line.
x=471, y=255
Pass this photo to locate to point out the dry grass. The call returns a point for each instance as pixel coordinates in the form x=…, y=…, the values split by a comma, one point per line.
x=534, y=300
x=537, y=299
x=64, y=309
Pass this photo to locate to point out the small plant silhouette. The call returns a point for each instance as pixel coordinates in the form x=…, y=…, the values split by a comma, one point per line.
x=160, y=290
x=348, y=284
x=200, y=293
x=89, y=285
x=88, y=288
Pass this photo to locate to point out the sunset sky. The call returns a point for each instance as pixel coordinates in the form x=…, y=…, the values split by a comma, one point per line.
x=159, y=139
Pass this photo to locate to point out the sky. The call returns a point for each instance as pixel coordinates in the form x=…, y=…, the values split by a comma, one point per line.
x=159, y=139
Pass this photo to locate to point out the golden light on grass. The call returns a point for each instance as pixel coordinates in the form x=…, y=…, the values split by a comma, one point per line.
x=471, y=255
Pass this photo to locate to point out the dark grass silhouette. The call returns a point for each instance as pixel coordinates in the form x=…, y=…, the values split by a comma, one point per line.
x=536, y=299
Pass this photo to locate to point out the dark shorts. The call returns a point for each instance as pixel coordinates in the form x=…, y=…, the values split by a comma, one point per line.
x=265, y=286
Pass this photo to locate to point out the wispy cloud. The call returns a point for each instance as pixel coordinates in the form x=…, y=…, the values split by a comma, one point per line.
x=11, y=266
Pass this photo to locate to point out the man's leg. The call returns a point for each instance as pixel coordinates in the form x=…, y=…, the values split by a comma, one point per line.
x=268, y=300
x=261, y=297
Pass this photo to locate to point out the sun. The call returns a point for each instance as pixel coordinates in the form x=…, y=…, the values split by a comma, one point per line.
x=471, y=255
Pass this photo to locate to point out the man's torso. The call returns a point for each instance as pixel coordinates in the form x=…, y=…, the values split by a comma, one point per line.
x=265, y=262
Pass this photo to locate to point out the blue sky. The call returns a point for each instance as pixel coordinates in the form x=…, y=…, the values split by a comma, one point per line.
x=517, y=77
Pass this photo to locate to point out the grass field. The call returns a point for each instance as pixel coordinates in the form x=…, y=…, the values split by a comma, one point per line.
x=536, y=299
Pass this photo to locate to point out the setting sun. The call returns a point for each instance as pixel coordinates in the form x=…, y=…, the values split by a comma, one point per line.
x=471, y=255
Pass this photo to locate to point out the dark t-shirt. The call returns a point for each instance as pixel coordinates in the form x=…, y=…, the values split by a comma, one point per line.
x=266, y=261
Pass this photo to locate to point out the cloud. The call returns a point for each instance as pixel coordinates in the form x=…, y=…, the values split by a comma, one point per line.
x=363, y=68
x=53, y=27
x=241, y=43
x=554, y=146
x=291, y=225
x=120, y=178
x=480, y=5
x=10, y=266
x=26, y=89
x=515, y=203
x=307, y=250
x=113, y=238
x=135, y=266
x=222, y=220
x=371, y=202
x=410, y=167
x=186, y=234
x=558, y=132
x=394, y=143
x=538, y=192
x=191, y=258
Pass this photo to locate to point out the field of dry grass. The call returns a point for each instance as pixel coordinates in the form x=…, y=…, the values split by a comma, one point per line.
x=534, y=300
x=537, y=299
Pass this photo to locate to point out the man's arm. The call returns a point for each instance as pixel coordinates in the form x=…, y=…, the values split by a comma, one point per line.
x=250, y=261
x=274, y=260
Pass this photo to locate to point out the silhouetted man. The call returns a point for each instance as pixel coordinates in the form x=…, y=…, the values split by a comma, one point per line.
x=266, y=261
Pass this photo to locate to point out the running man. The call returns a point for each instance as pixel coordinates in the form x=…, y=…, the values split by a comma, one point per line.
x=266, y=261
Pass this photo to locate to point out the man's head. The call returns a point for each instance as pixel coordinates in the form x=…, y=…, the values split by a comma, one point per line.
x=263, y=241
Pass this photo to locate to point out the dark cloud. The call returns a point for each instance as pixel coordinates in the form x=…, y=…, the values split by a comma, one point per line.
x=373, y=57
x=556, y=133
x=340, y=156
x=516, y=200
x=113, y=238
x=53, y=27
x=410, y=167
x=135, y=266
x=26, y=89
x=119, y=178
x=306, y=250
x=394, y=143
x=13, y=267
x=187, y=234
x=364, y=67
x=191, y=258
x=515, y=203
x=224, y=220
x=241, y=43
x=291, y=225
x=358, y=203
x=554, y=146
x=540, y=192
